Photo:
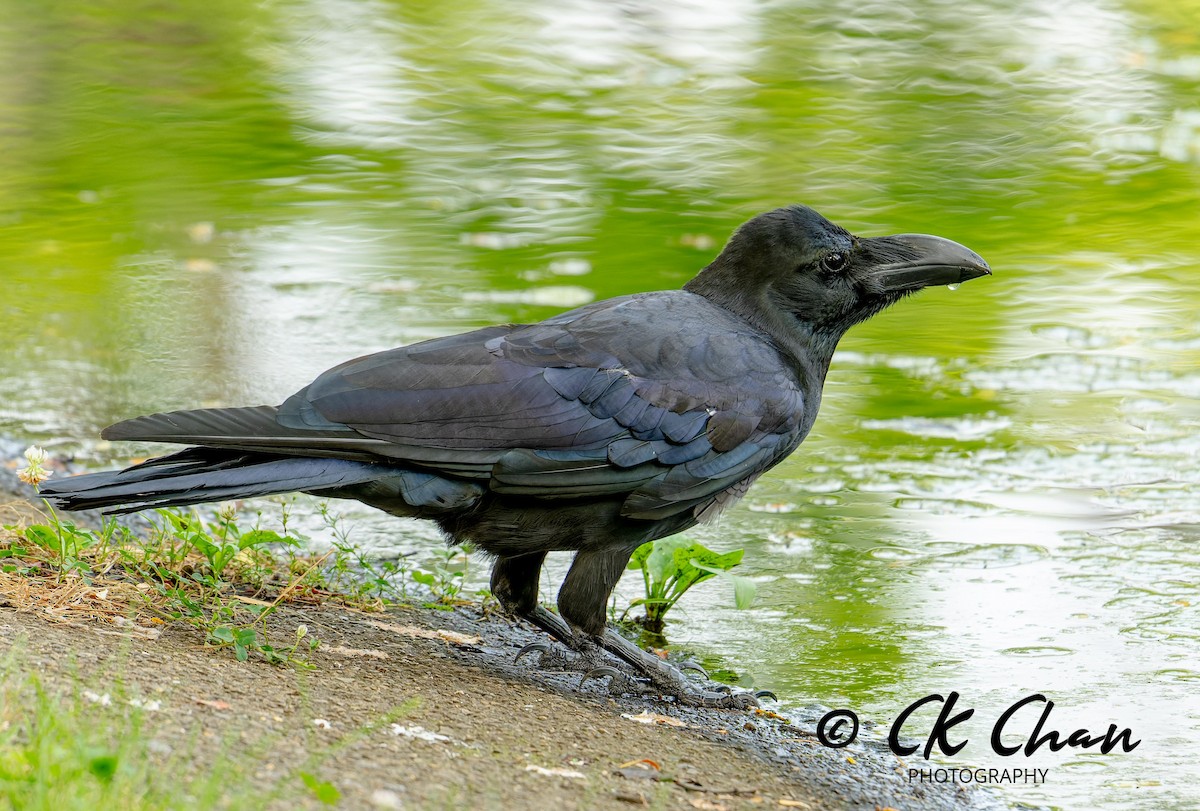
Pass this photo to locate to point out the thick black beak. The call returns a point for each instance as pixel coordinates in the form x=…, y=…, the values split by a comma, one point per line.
x=911, y=261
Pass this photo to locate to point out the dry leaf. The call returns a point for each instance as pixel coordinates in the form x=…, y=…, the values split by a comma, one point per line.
x=456, y=638
x=374, y=654
x=216, y=705
x=655, y=718
x=452, y=637
x=252, y=600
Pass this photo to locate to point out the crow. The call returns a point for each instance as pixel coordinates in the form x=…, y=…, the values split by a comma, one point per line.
x=594, y=431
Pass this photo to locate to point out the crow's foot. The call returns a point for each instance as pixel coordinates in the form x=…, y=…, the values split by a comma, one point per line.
x=555, y=658
x=674, y=686
x=651, y=675
x=549, y=657
x=669, y=681
x=618, y=683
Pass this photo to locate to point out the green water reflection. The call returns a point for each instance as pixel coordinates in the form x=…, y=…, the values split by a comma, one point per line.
x=208, y=203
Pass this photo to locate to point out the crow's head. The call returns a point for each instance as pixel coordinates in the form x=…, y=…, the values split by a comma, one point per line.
x=793, y=267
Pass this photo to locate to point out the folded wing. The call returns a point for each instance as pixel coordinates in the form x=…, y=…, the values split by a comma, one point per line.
x=663, y=399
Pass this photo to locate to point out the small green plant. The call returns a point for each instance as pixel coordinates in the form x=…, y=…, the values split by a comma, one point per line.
x=246, y=638
x=219, y=544
x=671, y=566
x=67, y=543
x=351, y=572
x=323, y=790
x=445, y=576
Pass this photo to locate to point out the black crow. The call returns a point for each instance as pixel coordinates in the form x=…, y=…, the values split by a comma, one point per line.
x=593, y=431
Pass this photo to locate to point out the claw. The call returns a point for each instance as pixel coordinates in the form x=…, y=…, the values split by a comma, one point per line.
x=600, y=673
x=690, y=665
x=533, y=647
x=618, y=682
x=765, y=694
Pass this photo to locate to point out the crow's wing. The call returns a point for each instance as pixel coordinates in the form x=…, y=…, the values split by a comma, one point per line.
x=662, y=397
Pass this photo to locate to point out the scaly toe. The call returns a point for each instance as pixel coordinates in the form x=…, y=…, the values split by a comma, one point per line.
x=549, y=657
x=535, y=647
x=618, y=682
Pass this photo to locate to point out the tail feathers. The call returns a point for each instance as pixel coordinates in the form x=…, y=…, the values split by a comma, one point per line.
x=219, y=422
x=257, y=430
x=253, y=429
x=199, y=475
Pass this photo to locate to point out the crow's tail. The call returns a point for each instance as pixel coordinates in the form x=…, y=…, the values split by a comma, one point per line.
x=198, y=475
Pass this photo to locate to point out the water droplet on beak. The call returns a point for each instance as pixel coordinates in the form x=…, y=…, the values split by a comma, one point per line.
x=954, y=286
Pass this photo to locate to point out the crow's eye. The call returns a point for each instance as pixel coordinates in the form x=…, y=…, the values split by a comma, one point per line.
x=834, y=261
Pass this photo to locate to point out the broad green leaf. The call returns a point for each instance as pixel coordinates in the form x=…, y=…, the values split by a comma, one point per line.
x=661, y=561
x=206, y=547
x=258, y=537
x=41, y=535
x=638, y=559
x=222, y=556
x=744, y=589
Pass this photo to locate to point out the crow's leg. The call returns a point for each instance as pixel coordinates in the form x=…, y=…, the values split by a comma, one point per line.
x=582, y=601
x=515, y=581
x=515, y=586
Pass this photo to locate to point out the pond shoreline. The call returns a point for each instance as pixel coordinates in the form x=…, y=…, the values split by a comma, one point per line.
x=492, y=732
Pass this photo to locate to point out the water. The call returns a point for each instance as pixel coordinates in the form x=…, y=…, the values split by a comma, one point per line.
x=210, y=204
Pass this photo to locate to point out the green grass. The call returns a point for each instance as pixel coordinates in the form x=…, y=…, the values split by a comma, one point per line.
x=214, y=573
x=65, y=746
x=87, y=751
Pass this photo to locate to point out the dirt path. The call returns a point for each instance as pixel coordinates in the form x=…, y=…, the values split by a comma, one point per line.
x=473, y=735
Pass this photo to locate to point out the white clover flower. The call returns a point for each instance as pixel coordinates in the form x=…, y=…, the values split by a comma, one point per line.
x=34, y=473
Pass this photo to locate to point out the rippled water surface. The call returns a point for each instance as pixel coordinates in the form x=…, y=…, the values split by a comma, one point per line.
x=209, y=203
